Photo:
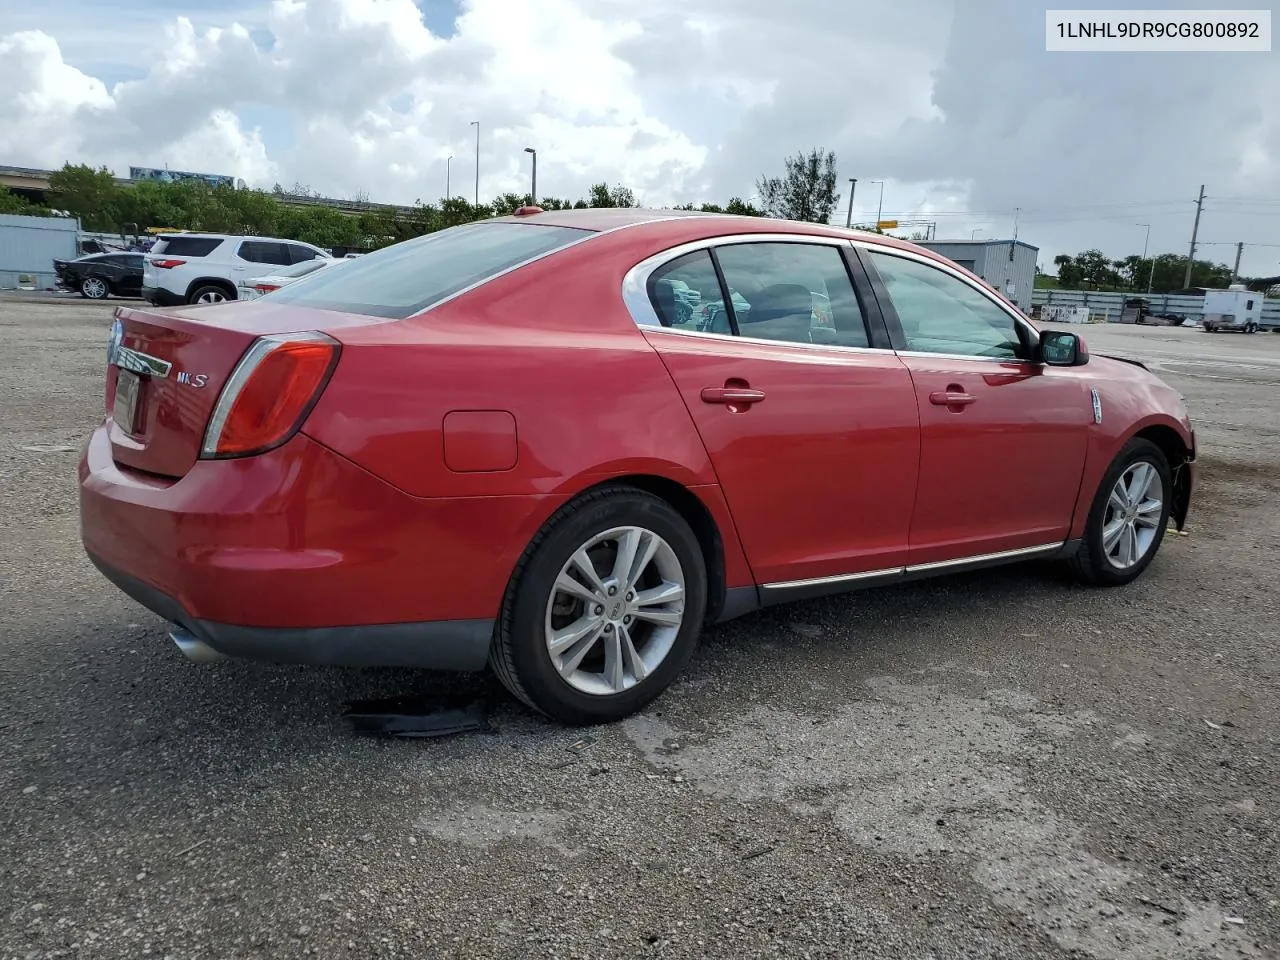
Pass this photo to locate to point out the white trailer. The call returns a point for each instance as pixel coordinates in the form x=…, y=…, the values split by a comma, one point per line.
x=1233, y=309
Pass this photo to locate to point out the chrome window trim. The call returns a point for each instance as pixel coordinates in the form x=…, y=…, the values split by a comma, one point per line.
x=889, y=572
x=1017, y=317
x=762, y=341
x=635, y=284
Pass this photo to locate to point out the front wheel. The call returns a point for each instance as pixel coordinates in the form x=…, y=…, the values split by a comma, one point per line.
x=604, y=610
x=1128, y=518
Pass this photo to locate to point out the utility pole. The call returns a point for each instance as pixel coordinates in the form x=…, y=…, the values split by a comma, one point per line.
x=1191, y=257
x=1235, y=271
x=848, y=217
x=447, y=171
x=1146, y=241
x=476, y=124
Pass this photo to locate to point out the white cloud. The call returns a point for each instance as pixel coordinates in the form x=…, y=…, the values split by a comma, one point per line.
x=956, y=105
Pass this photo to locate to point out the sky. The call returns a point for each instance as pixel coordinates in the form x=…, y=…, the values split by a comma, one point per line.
x=950, y=110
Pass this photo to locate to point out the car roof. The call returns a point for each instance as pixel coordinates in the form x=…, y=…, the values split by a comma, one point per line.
x=680, y=224
x=199, y=235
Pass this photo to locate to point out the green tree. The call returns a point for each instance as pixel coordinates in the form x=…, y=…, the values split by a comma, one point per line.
x=742, y=208
x=602, y=195
x=1134, y=271
x=15, y=203
x=807, y=191
x=1171, y=271
x=91, y=195
x=1068, y=272
x=1095, y=269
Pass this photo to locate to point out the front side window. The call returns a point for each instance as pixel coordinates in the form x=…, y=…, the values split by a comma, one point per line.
x=406, y=278
x=685, y=294
x=942, y=314
x=793, y=292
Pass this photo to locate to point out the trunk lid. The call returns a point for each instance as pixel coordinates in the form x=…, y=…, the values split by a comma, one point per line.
x=168, y=367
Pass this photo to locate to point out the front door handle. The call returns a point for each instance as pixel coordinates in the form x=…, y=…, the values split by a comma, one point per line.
x=731, y=395
x=951, y=397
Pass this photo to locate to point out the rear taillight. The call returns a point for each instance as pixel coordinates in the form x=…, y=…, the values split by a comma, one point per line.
x=166, y=263
x=270, y=393
x=266, y=287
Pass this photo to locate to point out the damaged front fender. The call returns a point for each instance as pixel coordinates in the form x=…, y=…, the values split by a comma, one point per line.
x=1184, y=479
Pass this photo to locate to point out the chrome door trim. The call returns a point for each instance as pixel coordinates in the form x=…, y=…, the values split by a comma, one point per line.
x=761, y=341
x=832, y=581
x=986, y=558
x=896, y=573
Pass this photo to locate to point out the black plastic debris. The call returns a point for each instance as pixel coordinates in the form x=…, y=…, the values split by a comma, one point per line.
x=410, y=717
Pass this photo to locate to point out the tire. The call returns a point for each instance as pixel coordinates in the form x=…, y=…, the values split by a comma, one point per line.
x=1102, y=563
x=94, y=288
x=533, y=608
x=209, y=293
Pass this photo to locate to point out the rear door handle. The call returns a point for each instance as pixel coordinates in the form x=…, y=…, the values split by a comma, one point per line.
x=731, y=395
x=946, y=398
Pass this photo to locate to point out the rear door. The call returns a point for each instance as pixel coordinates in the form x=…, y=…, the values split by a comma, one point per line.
x=1002, y=439
x=812, y=430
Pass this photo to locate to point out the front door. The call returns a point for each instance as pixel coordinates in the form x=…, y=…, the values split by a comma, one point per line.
x=1002, y=439
x=813, y=435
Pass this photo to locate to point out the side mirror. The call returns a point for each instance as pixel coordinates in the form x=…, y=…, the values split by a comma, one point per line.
x=1061, y=349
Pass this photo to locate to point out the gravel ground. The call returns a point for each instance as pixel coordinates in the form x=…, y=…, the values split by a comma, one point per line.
x=1001, y=764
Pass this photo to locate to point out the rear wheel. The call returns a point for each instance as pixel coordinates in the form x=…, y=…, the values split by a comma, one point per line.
x=604, y=610
x=1128, y=518
x=94, y=288
x=209, y=294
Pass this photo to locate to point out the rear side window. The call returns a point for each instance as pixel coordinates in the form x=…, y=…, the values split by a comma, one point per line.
x=186, y=246
x=300, y=254
x=398, y=281
x=685, y=294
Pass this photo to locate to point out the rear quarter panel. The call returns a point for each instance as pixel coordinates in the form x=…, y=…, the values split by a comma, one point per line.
x=553, y=346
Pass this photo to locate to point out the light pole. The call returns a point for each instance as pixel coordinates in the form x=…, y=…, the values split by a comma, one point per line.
x=533, y=190
x=447, y=165
x=476, y=124
x=1146, y=241
x=880, y=207
x=848, y=219
x=973, y=233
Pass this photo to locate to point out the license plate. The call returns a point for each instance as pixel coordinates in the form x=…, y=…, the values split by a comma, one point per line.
x=125, y=409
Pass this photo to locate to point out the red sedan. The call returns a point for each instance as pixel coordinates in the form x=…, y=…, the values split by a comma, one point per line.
x=560, y=443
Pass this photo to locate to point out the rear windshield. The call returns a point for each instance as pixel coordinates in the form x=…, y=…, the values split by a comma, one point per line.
x=186, y=246
x=398, y=281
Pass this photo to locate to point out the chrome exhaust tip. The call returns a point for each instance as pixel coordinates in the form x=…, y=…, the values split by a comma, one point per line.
x=193, y=648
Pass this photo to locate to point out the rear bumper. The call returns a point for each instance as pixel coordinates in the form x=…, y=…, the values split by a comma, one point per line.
x=298, y=555
x=160, y=297
x=442, y=645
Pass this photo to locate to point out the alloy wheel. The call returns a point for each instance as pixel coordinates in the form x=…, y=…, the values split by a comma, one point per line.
x=94, y=288
x=211, y=296
x=1132, y=518
x=615, y=610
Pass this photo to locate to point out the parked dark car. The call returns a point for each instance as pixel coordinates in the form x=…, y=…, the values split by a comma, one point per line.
x=101, y=275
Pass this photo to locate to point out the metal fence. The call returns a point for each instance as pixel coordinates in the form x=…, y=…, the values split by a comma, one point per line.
x=1108, y=305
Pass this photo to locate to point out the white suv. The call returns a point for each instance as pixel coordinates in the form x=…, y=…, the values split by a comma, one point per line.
x=187, y=268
